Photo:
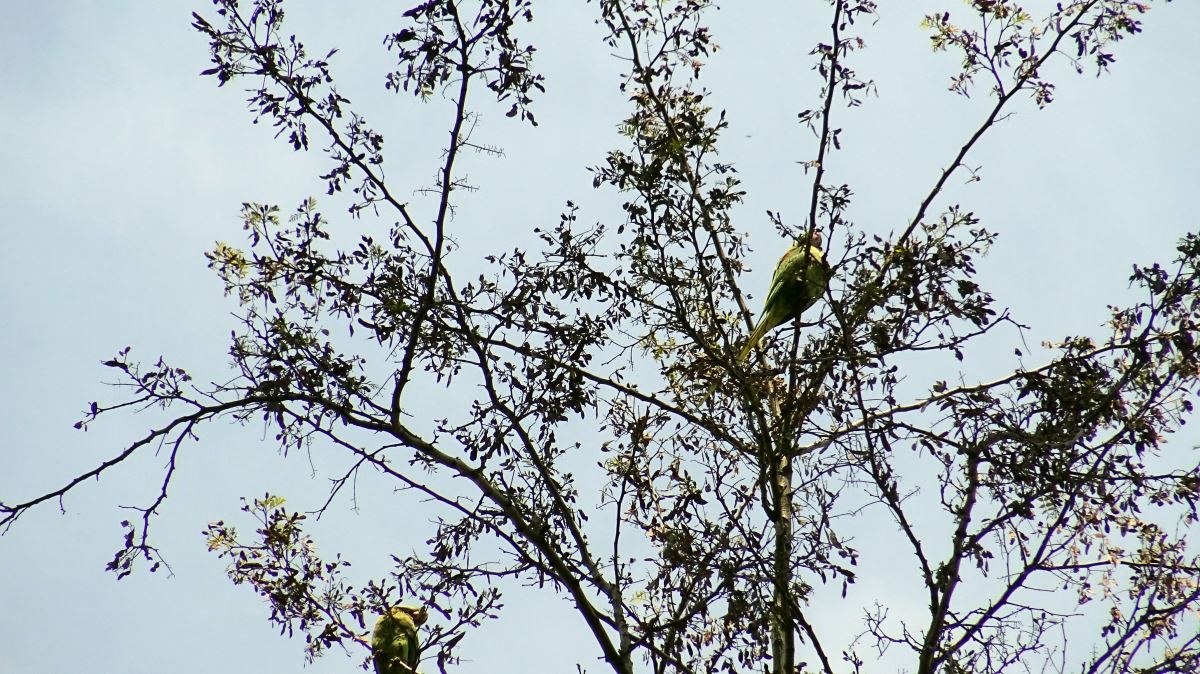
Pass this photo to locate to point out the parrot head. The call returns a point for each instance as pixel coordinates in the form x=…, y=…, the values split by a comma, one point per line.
x=814, y=238
x=419, y=614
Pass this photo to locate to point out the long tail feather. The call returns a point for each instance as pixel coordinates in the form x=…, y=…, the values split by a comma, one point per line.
x=755, y=336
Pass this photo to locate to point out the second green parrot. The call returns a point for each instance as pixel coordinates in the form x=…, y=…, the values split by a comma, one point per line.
x=394, y=644
x=800, y=279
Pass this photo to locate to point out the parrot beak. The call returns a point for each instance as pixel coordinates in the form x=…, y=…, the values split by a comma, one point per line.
x=814, y=239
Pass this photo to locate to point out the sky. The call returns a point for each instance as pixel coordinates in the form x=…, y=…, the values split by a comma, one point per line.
x=120, y=166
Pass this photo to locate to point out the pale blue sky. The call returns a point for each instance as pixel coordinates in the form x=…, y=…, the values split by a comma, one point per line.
x=121, y=166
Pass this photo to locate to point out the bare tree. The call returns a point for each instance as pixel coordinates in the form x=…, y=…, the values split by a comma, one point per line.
x=720, y=514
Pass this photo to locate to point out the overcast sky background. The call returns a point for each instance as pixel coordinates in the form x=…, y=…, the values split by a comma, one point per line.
x=121, y=166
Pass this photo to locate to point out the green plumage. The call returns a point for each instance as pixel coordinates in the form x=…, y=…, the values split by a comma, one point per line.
x=394, y=644
x=800, y=279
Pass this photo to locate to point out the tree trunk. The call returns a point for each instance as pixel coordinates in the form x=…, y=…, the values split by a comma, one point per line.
x=783, y=624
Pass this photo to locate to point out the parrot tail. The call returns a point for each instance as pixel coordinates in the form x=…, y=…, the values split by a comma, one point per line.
x=755, y=336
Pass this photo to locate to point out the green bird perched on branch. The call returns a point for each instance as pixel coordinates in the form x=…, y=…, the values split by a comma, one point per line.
x=800, y=279
x=394, y=644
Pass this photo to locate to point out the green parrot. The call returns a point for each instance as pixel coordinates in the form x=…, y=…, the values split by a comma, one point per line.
x=800, y=279
x=394, y=643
